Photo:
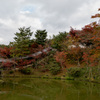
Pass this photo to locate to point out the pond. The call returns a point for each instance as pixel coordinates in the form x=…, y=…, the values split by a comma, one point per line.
x=48, y=89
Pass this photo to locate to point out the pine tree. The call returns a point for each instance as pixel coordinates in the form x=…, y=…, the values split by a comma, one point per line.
x=41, y=36
x=22, y=42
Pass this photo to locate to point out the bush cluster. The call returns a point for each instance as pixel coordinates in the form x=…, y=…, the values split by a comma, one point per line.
x=75, y=72
x=26, y=71
x=54, y=67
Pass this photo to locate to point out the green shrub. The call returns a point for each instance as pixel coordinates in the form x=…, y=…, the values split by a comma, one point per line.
x=34, y=64
x=75, y=72
x=11, y=72
x=54, y=68
x=26, y=71
x=0, y=72
x=69, y=78
x=58, y=39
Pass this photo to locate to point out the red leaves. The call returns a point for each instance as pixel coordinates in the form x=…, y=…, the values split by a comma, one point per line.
x=35, y=48
x=90, y=37
x=95, y=16
x=34, y=45
x=5, y=52
x=61, y=58
x=7, y=64
x=22, y=63
x=90, y=59
x=85, y=57
x=73, y=33
x=98, y=47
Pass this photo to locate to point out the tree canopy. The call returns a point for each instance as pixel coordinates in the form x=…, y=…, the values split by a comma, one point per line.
x=41, y=36
x=22, y=42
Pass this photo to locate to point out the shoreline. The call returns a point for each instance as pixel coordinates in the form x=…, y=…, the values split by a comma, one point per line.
x=44, y=77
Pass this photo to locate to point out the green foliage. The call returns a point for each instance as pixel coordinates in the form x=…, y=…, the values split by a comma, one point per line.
x=54, y=67
x=41, y=36
x=58, y=39
x=34, y=64
x=75, y=72
x=3, y=45
x=69, y=78
x=11, y=72
x=60, y=36
x=92, y=73
x=48, y=64
x=96, y=72
x=22, y=42
x=0, y=72
x=24, y=34
x=26, y=71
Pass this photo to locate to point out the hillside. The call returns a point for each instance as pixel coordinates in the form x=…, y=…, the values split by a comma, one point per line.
x=75, y=54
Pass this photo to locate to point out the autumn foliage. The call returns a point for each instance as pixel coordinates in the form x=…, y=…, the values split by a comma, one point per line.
x=61, y=58
x=78, y=47
x=5, y=52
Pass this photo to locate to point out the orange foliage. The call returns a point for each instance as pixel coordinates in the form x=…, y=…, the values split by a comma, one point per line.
x=60, y=58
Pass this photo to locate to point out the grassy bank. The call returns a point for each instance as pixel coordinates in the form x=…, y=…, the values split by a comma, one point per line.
x=73, y=73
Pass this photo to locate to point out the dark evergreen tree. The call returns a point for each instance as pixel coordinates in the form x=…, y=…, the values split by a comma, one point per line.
x=41, y=36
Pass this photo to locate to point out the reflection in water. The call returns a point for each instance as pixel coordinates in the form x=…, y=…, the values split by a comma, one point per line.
x=41, y=89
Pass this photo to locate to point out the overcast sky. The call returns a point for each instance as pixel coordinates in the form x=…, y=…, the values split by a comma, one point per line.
x=53, y=15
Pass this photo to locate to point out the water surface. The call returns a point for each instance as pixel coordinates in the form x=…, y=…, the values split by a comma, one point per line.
x=43, y=89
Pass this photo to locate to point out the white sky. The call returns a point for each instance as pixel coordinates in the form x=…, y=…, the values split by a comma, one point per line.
x=53, y=15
